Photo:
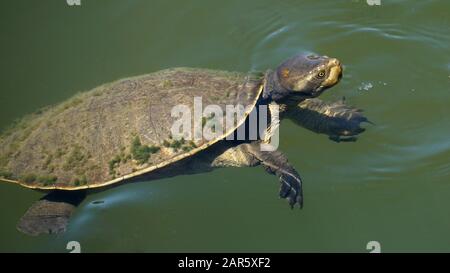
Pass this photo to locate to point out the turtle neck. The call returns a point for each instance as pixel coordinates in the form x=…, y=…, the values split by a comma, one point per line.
x=273, y=90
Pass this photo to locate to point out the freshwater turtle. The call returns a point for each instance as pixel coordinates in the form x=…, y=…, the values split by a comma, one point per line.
x=123, y=130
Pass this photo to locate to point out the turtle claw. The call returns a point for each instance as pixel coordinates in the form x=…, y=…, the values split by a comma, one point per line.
x=291, y=189
x=346, y=124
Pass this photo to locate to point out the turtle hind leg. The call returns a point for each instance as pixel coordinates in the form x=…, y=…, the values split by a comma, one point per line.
x=51, y=214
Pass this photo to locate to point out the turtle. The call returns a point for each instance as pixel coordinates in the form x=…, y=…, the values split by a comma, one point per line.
x=122, y=132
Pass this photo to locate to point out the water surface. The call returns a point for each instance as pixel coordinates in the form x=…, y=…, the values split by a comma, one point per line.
x=392, y=185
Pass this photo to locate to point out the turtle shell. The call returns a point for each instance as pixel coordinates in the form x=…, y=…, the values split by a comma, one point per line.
x=118, y=130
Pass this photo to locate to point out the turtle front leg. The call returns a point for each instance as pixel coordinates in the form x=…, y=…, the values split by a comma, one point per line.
x=274, y=162
x=337, y=120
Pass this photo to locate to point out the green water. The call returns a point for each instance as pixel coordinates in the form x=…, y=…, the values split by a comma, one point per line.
x=391, y=186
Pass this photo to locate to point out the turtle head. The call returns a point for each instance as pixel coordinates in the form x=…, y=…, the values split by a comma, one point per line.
x=303, y=76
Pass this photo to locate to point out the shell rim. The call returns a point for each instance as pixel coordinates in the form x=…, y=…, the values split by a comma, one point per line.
x=150, y=168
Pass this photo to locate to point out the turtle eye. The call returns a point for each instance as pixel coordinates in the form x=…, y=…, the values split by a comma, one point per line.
x=321, y=74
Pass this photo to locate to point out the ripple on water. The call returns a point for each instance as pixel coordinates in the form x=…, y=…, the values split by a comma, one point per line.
x=426, y=35
x=427, y=156
x=282, y=42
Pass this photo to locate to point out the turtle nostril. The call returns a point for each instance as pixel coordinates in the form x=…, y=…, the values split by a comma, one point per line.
x=335, y=62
